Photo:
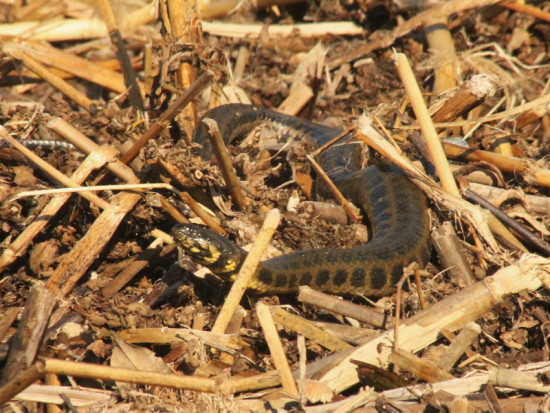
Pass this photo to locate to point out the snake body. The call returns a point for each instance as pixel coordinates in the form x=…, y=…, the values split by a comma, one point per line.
x=394, y=206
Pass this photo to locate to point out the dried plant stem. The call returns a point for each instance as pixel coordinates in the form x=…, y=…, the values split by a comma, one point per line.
x=29, y=335
x=83, y=254
x=20, y=382
x=247, y=271
x=453, y=312
x=167, y=116
x=338, y=306
x=123, y=187
x=520, y=229
x=51, y=171
x=515, y=379
x=428, y=130
x=58, y=83
x=133, y=268
x=470, y=384
x=470, y=94
x=323, y=29
x=296, y=100
x=230, y=177
x=184, y=24
x=276, y=348
x=59, y=60
x=458, y=346
x=443, y=51
x=533, y=203
x=130, y=76
x=86, y=145
x=505, y=163
x=171, y=210
x=444, y=9
x=166, y=335
x=308, y=329
x=98, y=372
x=20, y=245
x=7, y=320
x=201, y=213
x=419, y=368
x=528, y=9
x=351, y=212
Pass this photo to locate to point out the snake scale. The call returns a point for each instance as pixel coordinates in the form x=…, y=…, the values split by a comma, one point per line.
x=394, y=206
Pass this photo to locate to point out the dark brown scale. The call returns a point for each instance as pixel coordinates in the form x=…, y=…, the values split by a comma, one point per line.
x=395, y=207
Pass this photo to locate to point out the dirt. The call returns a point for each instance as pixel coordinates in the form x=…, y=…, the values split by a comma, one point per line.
x=163, y=294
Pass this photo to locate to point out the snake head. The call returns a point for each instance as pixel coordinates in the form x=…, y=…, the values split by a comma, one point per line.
x=208, y=248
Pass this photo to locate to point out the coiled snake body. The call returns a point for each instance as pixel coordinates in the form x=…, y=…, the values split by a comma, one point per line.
x=395, y=207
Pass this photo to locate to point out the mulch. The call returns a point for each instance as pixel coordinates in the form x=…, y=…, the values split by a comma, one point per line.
x=100, y=312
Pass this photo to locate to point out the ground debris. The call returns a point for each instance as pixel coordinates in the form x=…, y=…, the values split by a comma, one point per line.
x=99, y=313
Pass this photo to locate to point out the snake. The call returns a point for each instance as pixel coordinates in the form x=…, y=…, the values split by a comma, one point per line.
x=394, y=206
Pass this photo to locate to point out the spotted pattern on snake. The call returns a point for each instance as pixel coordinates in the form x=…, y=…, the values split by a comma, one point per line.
x=395, y=207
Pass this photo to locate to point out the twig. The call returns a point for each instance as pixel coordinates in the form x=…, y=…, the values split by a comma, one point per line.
x=308, y=329
x=426, y=125
x=168, y=115
x=528, y=9
x=98, y=372
x=208, y=220
x=444, y=9
x=230, y=177
x=276, y=348
x=505, y=219
x=20, y=245
x=346, y=308
x=51, y=171
x=130, y=77
x=247, y=271
x=86, y=145
x=122, y=187
x=451, y=254
x=235, y=30
x=504, y=163
x=458, y=346
x=30, y=332
x=58, y=83
x=351, y=212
